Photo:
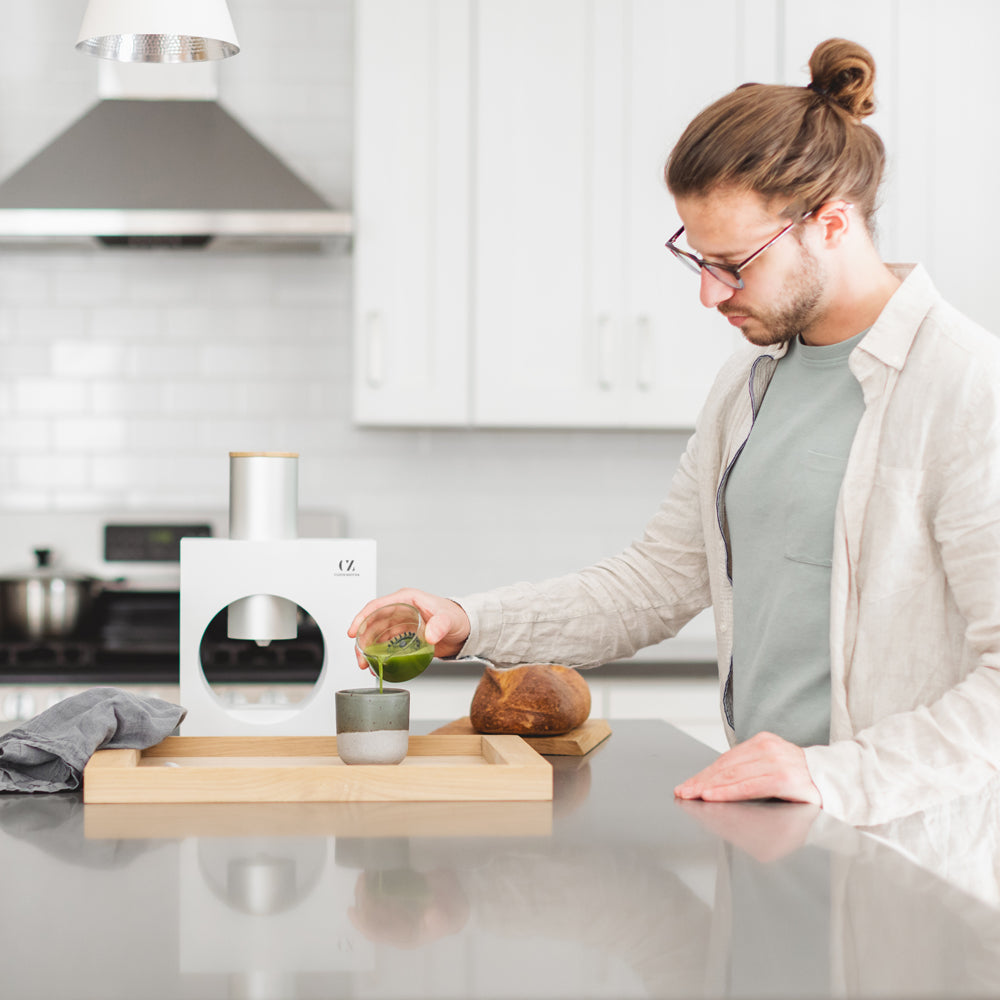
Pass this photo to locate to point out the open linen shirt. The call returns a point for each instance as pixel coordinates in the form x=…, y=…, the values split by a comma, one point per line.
x=915, y=588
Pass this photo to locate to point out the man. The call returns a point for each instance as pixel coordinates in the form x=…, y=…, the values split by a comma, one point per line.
x=839, y=503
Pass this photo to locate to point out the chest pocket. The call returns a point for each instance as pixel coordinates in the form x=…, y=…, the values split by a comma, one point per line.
x=811, y=509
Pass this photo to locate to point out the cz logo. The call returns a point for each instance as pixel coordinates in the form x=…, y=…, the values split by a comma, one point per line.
x=346, y=565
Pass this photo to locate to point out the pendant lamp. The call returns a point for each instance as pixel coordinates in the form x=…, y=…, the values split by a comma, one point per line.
x=160, y=31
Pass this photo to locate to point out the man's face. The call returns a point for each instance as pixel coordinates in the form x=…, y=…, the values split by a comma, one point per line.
x=783, y=293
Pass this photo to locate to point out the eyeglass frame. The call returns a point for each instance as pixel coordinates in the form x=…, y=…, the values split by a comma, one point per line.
x=697, y=264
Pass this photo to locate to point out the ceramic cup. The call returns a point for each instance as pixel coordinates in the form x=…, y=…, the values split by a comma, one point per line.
x=373, y=727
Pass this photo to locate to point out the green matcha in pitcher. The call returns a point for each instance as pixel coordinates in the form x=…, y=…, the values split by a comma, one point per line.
x=400, y=659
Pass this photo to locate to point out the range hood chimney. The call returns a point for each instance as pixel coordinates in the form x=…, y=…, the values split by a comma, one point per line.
x=173, y=173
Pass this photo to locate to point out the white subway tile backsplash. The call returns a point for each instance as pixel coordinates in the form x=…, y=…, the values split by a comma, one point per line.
x=190, y=322
x=23, y=284
x=235, y=360
x=89, y=435
x=233, y=287
x=127, y=398
x=84, y=358
x=245, y=434
x=34, y=395
x=125, y=323
x=50, y=471
x=166, y=436
x=170, y=477
x=19, y=497
x=86, y=499
x=159, y=360
x=46, y=321
x=25, y=358
x=205, y=397
x=100, y=284
x=270, y=398
x=309, y=285
x=21, y=434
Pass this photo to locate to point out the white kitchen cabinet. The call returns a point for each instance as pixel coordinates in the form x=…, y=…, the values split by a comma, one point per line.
x=580, y=316
x=411, y=178
x=511, y=213
x=943, y=149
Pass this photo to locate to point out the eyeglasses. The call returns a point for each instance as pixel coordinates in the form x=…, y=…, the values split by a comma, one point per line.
x=728, y=274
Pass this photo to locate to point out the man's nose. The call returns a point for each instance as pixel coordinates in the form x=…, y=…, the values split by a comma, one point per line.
x=713, y=291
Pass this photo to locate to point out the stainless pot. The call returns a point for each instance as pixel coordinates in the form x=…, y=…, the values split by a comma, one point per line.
x=44, y=602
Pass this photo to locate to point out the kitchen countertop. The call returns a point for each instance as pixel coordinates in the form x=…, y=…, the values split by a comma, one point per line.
x=635, y=668
x=614, y=889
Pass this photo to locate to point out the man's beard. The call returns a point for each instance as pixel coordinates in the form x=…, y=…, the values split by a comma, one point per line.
x=795, y=315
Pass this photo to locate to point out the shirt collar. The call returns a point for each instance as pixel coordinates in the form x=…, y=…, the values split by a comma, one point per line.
x=892, y=334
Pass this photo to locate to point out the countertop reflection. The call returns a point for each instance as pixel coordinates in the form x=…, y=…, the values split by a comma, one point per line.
x=613, y=889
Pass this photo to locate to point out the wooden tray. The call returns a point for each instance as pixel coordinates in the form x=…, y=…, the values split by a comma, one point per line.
x=576, y=743
x=307, y=769
x=177, y=820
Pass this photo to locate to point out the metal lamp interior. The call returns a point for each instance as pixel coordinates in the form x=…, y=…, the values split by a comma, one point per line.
x=158, y=48
x=158, y=31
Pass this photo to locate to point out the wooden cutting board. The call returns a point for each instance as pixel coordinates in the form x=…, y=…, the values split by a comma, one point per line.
x=576, y=743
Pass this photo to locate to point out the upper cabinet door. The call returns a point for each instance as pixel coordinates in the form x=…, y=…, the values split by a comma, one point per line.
x=411, y=183
x=681, y=57
x=581, y=318
x=548, y=206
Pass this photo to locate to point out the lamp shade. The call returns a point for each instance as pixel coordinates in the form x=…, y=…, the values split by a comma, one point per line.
x=162, y=31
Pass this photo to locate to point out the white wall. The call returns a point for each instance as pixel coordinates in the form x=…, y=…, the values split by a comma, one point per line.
x=126, y=377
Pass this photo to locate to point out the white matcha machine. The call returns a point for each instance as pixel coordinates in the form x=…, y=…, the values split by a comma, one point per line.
x=262, y=574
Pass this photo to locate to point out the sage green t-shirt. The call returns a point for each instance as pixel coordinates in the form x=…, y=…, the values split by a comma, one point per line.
x=780, y=503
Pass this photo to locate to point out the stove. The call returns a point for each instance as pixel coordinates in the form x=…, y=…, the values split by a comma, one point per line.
x=129, y=638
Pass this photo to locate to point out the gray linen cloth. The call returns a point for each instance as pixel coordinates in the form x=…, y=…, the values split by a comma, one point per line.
x=49, y=752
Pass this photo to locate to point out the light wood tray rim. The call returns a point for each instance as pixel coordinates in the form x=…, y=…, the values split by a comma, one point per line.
x=513, y=771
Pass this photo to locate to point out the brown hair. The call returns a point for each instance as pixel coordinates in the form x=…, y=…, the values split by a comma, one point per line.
x=801, y=145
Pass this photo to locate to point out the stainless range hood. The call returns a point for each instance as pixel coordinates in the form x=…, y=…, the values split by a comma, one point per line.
x=164, y=173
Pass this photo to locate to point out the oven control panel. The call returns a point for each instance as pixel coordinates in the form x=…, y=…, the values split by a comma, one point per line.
x=149, y=543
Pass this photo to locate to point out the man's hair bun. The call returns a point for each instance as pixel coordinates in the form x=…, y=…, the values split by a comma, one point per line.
x=844, y=72
x=794, y=146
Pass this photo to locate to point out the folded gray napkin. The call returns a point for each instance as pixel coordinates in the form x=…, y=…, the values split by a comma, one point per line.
x=49, y=752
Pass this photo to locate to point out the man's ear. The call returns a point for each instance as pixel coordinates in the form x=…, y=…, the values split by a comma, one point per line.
x=835, y=221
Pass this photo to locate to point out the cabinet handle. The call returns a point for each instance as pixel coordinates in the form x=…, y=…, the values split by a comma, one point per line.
x=374, y=349
x=605, y=351
x=643, y=353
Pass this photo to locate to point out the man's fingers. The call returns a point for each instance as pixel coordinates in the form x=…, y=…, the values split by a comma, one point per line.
x=437, y=629
x=762, y=767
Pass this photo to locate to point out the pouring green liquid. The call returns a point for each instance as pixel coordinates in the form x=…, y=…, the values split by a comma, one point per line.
x=397, y=661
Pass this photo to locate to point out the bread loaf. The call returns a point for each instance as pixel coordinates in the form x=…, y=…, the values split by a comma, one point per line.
x=533, y=700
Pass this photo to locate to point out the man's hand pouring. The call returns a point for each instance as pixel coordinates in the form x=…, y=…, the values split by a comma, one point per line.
x=447, y=625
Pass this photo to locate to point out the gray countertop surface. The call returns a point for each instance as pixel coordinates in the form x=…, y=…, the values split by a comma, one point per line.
x=613, y=889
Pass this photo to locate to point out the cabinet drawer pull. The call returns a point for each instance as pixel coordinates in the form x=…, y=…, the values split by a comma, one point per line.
x=374, y=349
x=605, y=351
x=643, y=353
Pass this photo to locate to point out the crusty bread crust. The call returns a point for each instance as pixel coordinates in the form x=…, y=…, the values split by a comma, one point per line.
x=533, y=700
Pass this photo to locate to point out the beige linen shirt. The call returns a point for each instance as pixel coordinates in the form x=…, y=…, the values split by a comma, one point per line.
x=915, y=588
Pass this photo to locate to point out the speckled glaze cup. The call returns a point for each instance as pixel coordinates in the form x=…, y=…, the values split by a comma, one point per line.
x=373, y=727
